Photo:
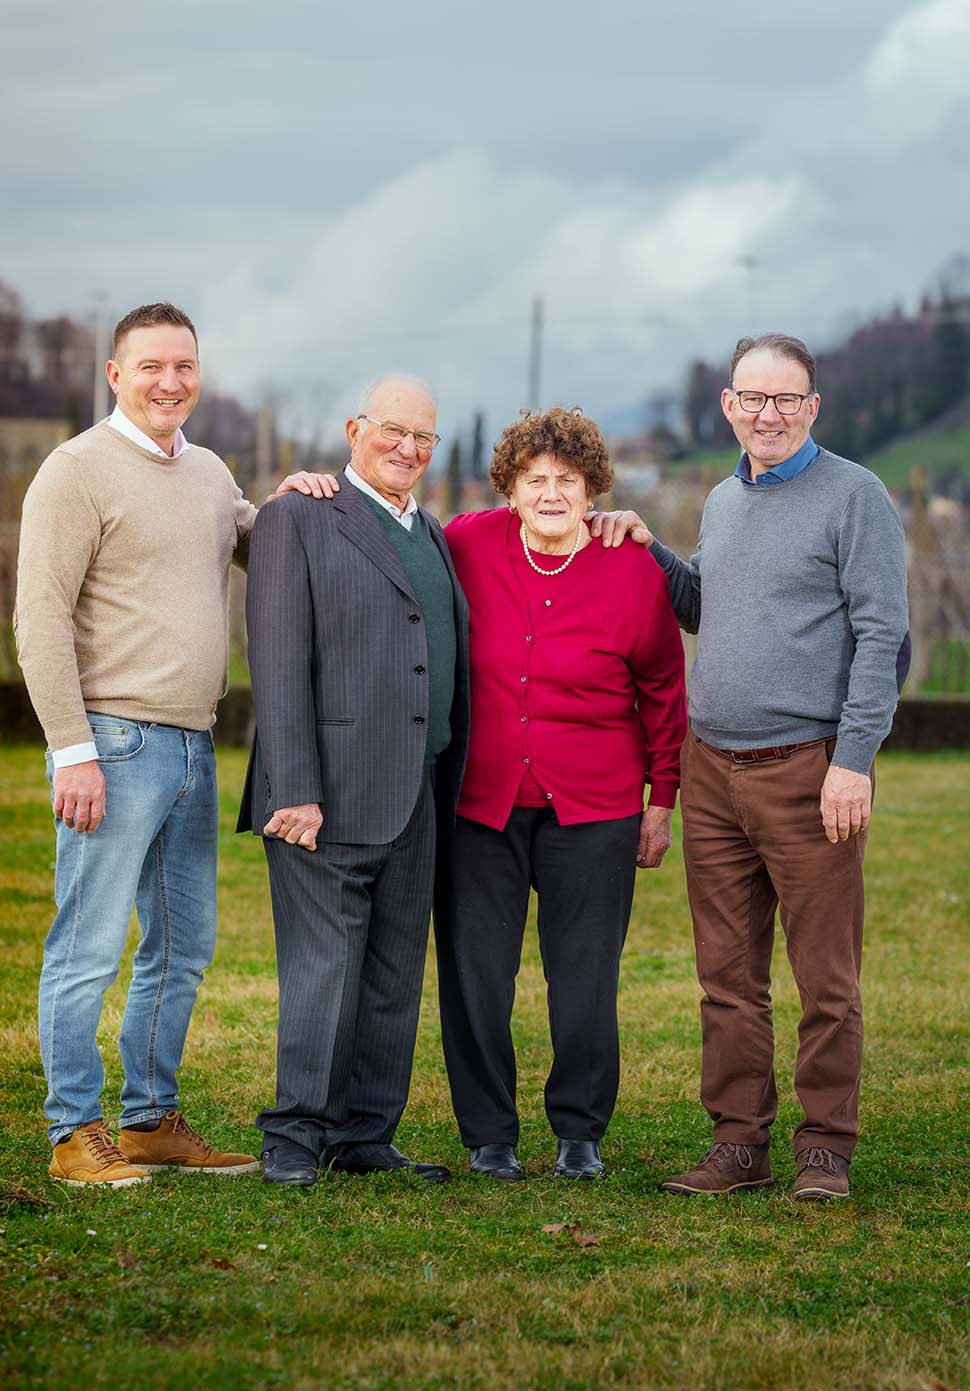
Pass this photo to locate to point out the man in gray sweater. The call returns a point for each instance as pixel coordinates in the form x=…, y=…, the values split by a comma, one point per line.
x=797, y=593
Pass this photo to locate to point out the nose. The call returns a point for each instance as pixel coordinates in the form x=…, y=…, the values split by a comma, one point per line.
x=771, y=411
x=168, y=377
x=407, y=447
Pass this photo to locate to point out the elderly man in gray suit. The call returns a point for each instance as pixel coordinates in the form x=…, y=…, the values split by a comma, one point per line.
x=358, y=652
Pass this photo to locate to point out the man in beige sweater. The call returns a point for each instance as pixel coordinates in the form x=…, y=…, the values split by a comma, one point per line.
x=127, y=538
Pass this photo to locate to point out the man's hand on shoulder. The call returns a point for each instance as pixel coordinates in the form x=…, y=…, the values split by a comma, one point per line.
x=79, y=795
x=655, y=837
x=318, y=485
x=613, y=527
x=296, y=825
x=846, y=803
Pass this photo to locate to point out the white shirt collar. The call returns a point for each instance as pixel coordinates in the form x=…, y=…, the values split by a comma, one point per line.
x=405, y=517
x=120, y=422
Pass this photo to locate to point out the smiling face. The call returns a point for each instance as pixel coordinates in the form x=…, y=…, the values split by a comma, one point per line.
x=552, y=500
x=156, y=380
x=392, y=469
x=768, y=437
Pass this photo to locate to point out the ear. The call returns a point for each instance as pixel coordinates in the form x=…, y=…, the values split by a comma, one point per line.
x=813, y=404
x=113, y=372
x=352, y=431
x=728, y=403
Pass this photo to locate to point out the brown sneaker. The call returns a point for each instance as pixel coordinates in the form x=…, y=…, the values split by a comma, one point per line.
x=820, y=1175
x=89, y=1155
x=175, y=1145
x=725, y=1169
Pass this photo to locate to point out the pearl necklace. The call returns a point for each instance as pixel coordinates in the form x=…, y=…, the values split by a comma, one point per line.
x=559, y=568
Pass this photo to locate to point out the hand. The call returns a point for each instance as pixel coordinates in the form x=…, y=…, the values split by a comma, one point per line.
x=614, y=526
x=656, y=837
x=310, y=484
x=296, y=825
x=846, y=803
x=79, y=796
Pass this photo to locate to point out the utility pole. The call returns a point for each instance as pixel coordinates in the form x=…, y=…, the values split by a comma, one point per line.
x=535, y=353
x=99, y=397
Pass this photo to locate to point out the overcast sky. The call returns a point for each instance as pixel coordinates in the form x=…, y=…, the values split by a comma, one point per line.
x=334, y=192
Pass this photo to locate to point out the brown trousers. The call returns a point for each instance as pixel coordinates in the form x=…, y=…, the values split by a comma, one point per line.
x=753, y=840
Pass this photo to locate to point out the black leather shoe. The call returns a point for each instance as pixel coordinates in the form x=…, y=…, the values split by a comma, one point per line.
x=382, y=1159
x=284, y=1161
x=579, y=1159
x=497, y=1161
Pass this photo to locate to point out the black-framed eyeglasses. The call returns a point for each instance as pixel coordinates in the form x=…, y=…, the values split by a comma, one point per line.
x=397, y=434
x=786, y=402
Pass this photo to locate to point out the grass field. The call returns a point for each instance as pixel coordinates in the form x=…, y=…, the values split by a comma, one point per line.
x=382, y=1283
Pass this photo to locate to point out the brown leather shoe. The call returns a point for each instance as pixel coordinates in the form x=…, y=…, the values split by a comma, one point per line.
x=175, y=1145
x=90, y=1156
x=725, y=1168
x=820, y=1175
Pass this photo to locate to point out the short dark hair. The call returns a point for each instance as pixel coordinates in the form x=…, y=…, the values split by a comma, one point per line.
x=150, y=316
x=782, y=345
x=572, y=437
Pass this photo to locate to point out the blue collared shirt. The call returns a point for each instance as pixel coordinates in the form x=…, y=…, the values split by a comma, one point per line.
x=782, y=472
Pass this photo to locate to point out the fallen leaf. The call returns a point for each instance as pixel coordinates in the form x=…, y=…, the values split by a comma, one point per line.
x=126, y=1259
x=219, y=1262
x=585, y=1238
x=574, y=1229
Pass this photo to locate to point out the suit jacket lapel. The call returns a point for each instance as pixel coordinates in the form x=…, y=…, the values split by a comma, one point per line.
x=357, y=522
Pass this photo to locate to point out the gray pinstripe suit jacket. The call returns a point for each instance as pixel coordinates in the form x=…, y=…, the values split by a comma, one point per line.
x=337, y=652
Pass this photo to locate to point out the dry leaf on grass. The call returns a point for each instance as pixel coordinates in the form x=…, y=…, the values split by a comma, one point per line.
x=574, y=1229
x=126, y=1259
x=218, y=1262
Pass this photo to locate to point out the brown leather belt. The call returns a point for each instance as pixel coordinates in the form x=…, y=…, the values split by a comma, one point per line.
x=765, y=755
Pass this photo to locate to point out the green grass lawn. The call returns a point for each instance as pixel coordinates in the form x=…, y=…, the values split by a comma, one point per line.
x=385, y=1283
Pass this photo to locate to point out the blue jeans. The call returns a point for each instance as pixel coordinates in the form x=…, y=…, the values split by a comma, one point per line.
x=155, y=850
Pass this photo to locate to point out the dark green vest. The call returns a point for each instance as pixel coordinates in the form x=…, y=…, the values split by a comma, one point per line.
x=429, y=577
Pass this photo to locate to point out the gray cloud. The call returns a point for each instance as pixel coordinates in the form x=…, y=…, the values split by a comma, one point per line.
x=333, y=193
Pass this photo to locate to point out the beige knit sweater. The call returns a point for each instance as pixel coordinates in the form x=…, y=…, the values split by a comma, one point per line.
x=122, y=582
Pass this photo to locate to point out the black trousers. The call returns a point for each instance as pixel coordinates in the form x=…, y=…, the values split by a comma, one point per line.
x=584, y=877
x=351, y=939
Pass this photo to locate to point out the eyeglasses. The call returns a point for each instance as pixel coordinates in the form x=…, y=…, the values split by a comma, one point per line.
x=787, y=403
x=397, y=434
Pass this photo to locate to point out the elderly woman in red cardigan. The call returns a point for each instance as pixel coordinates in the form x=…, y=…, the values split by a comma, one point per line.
x=577, y=679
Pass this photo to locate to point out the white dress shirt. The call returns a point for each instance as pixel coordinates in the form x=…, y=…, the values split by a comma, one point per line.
x=406, y=518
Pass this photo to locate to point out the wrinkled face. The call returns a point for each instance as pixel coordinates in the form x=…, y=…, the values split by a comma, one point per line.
x=769, y=437
x=550, y=497
x=156, y=380
x=392, y=468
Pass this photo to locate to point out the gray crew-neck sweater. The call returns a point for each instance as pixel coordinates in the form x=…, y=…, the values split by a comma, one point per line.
x=428, y=573
x=797, y=594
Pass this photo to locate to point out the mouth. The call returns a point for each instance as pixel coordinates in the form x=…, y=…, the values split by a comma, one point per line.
x=551, y=512
x=166, y=402
x=770, y=435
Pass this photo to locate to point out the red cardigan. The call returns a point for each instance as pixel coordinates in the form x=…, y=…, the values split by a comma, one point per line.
x=577, y=678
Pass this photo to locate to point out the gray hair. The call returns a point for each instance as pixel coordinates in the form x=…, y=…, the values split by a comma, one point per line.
x=782, y=345
x=370, y=392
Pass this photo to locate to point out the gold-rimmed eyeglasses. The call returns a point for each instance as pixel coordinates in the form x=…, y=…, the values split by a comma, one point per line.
x=393, y=432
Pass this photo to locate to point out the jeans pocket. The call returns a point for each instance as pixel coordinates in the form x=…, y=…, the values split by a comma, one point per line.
x=117, y=740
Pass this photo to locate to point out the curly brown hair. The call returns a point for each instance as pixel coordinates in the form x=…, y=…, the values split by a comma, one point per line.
x=571, y=436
